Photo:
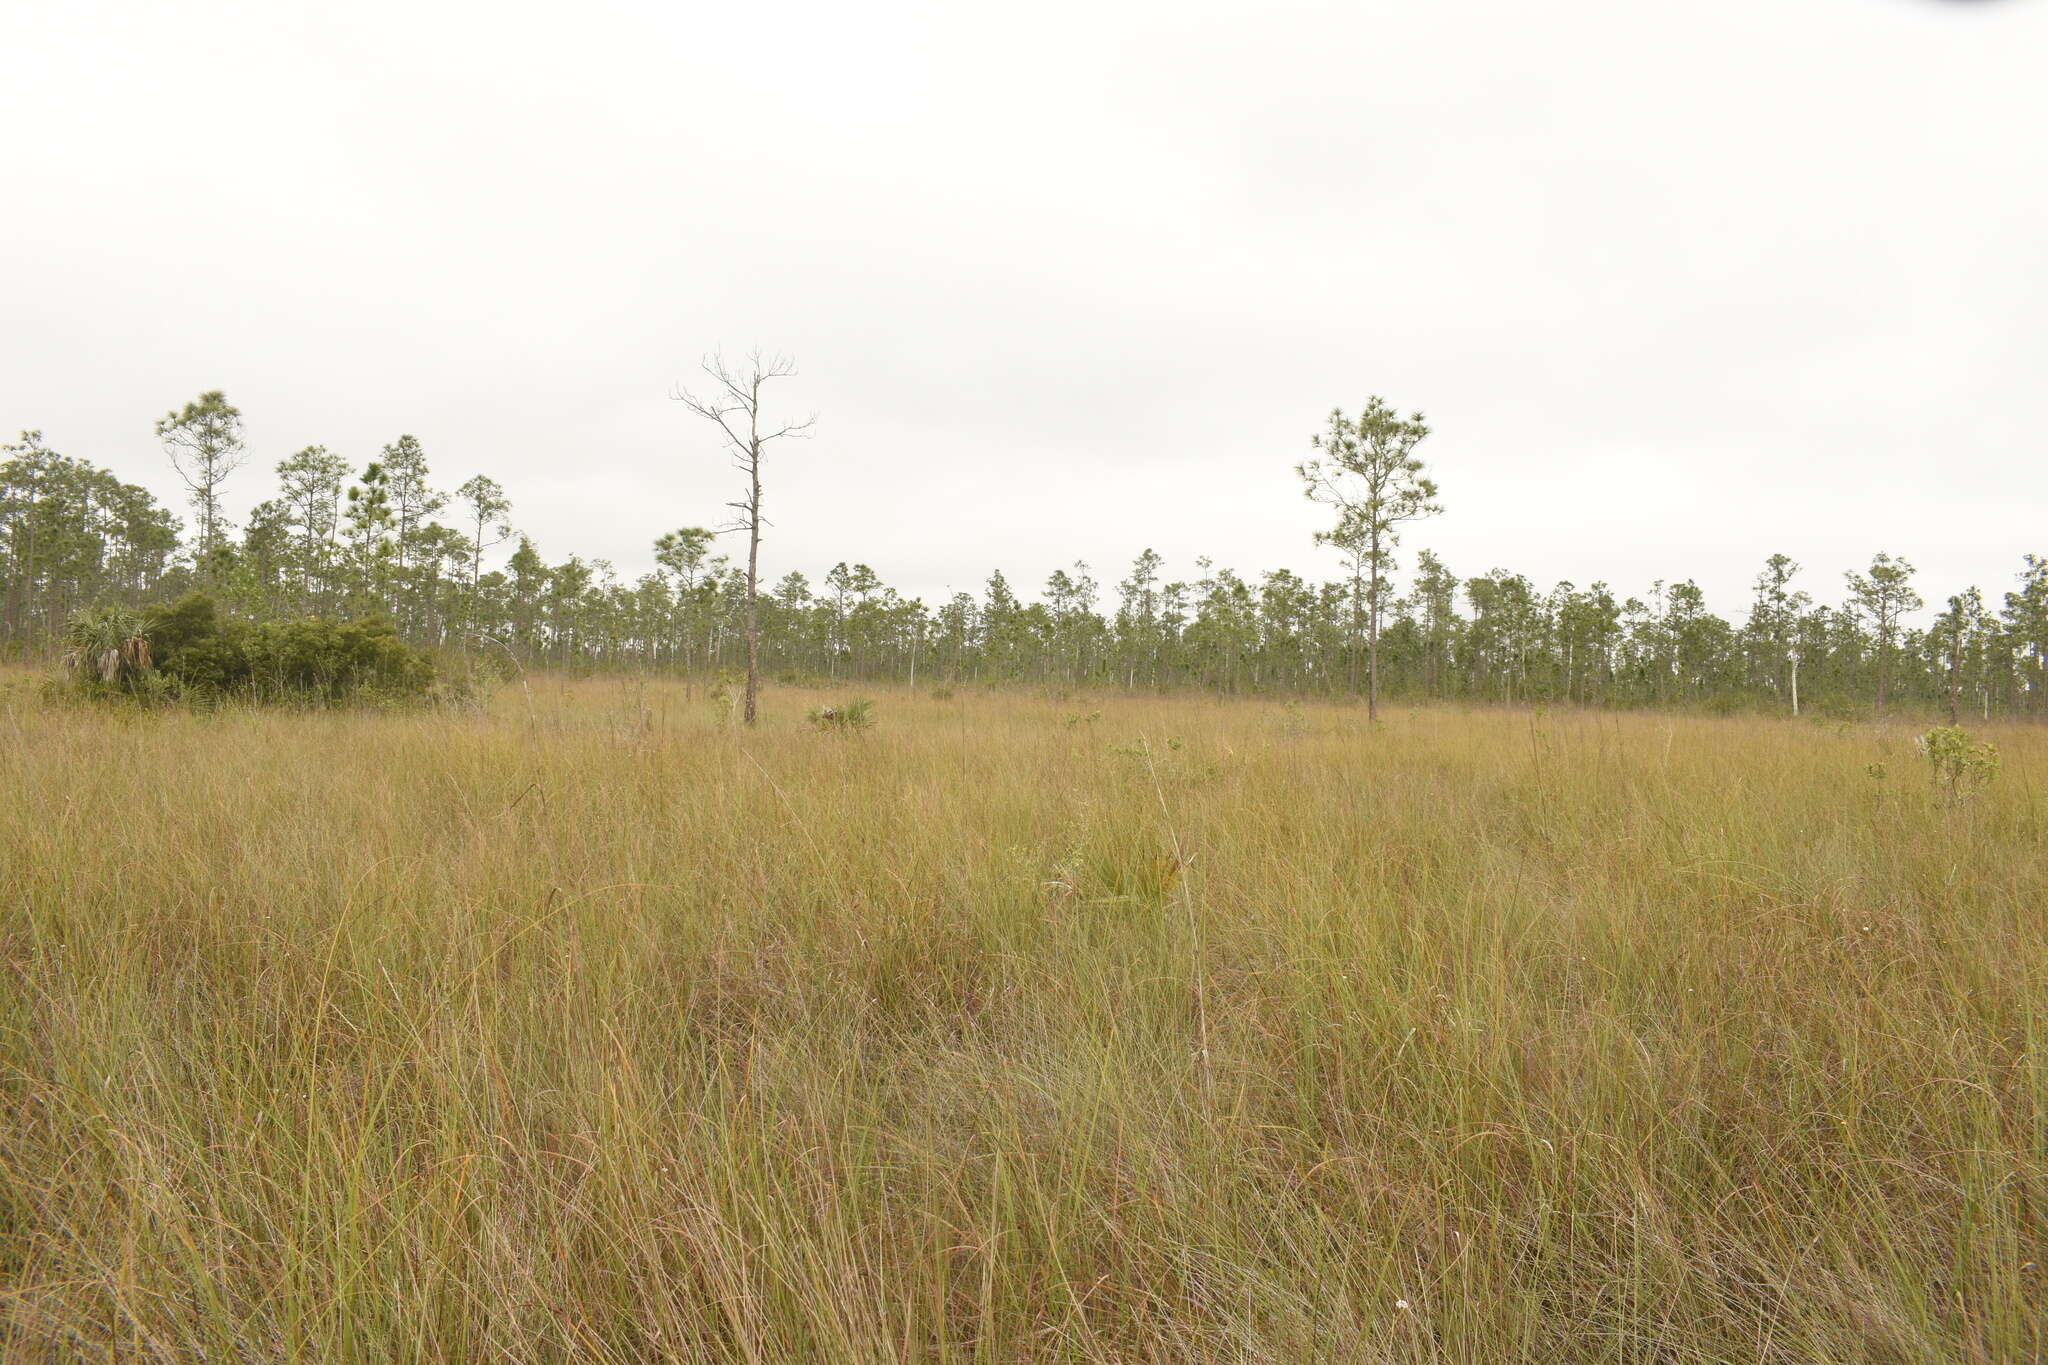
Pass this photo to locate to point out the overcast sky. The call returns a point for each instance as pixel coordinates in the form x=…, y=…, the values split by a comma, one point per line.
x=1677, y=284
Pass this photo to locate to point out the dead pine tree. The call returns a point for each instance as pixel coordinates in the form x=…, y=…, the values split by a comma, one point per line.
x=733, y=402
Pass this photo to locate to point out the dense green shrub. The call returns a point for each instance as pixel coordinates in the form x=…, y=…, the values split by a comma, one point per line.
x=200, y=652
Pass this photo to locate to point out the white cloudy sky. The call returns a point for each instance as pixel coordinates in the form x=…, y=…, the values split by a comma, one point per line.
x=1678, y=285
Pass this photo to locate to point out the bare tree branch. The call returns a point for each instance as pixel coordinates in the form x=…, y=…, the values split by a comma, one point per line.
x=733, y=405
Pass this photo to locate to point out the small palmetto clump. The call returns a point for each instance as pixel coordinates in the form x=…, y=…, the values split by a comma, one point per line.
x=108, y=646
x=1133, y=869
x=843, y=717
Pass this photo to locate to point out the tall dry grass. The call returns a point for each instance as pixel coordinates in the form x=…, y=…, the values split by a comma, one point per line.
x=597, y=1031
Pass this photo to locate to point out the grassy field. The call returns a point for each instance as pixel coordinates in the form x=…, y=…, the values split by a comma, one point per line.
x=1015, y=1030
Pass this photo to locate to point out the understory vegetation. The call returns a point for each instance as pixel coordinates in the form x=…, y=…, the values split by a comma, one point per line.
x=597, y=1028
x=191, y=650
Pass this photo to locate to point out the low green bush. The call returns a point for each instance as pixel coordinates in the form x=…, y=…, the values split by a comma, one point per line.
x=846, y=717
x=191, y=650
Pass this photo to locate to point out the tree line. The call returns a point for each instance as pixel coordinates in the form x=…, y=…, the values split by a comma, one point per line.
x=449, y=571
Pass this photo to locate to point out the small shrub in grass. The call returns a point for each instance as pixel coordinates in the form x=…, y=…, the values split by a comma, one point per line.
x=940, y=694
x=1960, y=766
x=724, y=696
x=842, y=718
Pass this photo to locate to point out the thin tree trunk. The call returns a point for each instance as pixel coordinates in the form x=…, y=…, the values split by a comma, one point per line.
x=1372, y=640
x=754, y=556
x=1955, y=673
x=1352, y=632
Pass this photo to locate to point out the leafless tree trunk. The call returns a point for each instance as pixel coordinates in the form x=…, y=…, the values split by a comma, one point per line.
x=733, y=403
